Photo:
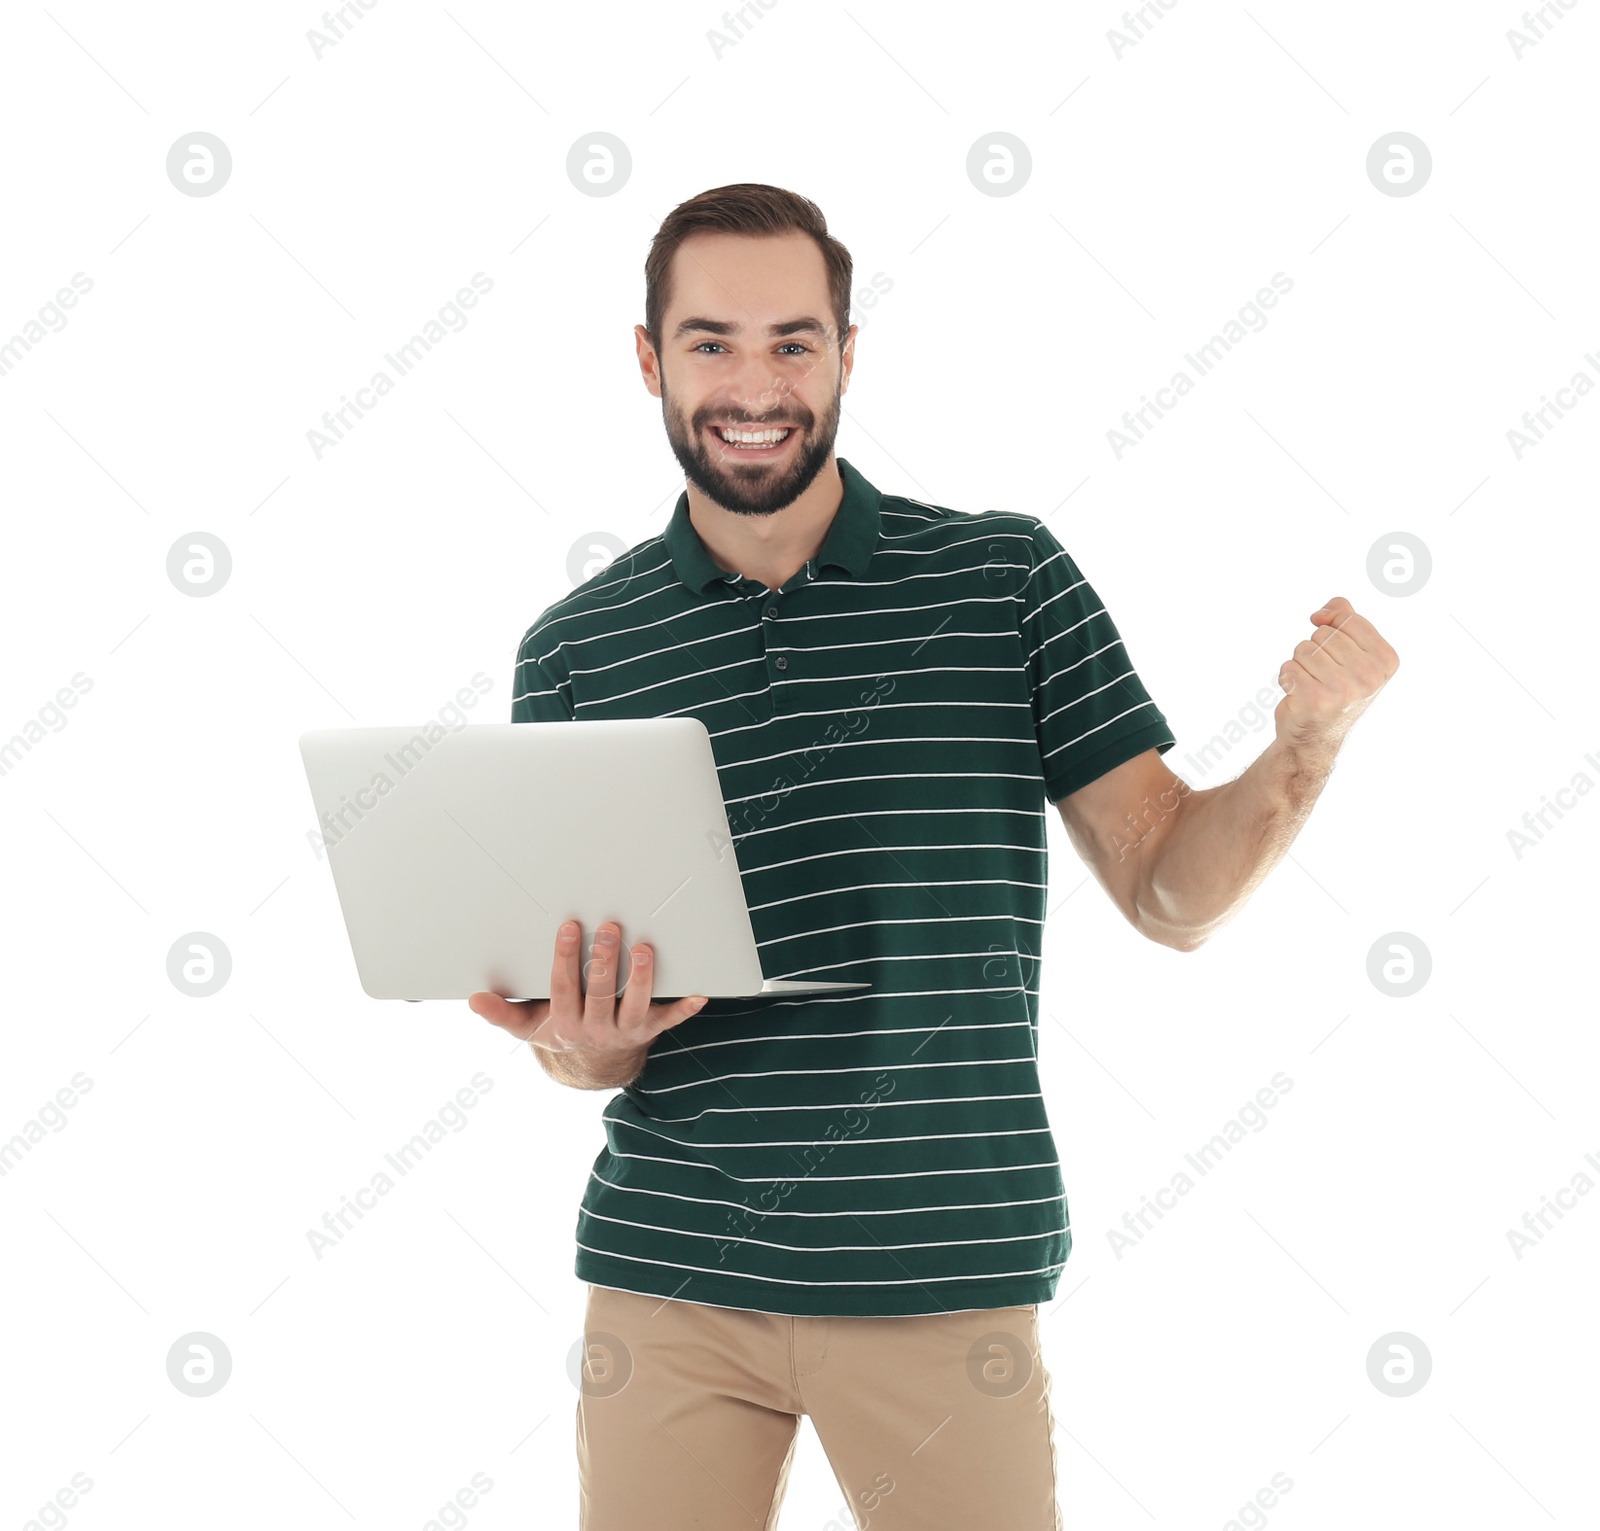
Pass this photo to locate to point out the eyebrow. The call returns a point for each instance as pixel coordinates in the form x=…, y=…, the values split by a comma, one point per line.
x=698, y=325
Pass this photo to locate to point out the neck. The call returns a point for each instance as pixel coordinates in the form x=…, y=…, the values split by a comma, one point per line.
x=773, y=548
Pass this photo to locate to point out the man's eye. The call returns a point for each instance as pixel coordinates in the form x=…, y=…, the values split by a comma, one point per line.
x=796, y=344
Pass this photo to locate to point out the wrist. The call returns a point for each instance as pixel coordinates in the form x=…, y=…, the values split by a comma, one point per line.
x=1306, y=755
x=582, y=1069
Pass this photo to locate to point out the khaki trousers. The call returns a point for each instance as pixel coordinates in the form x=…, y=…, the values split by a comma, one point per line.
x=688, y=1417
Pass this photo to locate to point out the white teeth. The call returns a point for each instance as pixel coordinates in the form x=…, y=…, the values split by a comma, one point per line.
x=752, y=438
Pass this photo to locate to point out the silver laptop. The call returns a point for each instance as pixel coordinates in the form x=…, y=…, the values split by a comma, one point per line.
x=458, y=853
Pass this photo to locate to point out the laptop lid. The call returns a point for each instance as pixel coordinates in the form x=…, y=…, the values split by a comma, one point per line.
x=456, y=854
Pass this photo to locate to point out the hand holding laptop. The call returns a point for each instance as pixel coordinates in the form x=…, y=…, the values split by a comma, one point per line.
x=584, y=1033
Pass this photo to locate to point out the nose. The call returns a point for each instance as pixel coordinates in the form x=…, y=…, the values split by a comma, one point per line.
x=760, y=390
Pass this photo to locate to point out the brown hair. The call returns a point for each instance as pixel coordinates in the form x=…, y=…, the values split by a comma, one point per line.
x=745, y=208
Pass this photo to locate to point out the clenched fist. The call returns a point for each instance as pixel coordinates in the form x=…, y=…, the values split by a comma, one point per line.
x=1332, y=677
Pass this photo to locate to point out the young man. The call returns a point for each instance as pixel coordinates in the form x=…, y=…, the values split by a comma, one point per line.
x=850, y=1206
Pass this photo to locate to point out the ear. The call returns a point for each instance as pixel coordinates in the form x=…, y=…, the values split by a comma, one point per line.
x=649, y=361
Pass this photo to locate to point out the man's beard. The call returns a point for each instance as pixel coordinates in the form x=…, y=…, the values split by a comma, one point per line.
x=759, y=489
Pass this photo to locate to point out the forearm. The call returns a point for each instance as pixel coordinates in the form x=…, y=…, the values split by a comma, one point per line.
x=583, y=1072
x=1219, y=844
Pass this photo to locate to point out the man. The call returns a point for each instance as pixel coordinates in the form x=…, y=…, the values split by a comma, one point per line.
x=850, y=1206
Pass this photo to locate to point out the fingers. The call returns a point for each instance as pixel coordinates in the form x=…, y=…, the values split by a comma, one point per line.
x=600, y=988
x=664, y=1016
x=1345, y=653
x=584, y=1010
x=1312, y=658
x=561, y=1014
x=631, y=1015
x=1338, y=644
x=637, y=1013
x=633, y=1011
x=491, y=1006
x=566, y=994
x=1340, y=617
x=519, y=1017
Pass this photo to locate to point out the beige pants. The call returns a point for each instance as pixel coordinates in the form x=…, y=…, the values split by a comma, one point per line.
x=688, y=1417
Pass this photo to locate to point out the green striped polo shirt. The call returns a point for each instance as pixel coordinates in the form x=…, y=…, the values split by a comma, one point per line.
x=887, y=728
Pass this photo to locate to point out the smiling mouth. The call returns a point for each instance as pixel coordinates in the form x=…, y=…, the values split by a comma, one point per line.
x=750, y=441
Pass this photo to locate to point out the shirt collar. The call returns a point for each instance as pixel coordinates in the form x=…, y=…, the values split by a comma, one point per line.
x=851, y=540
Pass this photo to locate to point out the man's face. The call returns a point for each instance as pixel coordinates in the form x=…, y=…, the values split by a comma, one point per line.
x=748, y=345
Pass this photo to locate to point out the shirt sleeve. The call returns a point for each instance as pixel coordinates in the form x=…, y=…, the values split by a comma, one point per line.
x=1091, y=711
x=538, y=693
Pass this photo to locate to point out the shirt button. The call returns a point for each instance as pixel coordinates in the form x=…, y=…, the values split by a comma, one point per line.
x=781, y=662
x=772, y=611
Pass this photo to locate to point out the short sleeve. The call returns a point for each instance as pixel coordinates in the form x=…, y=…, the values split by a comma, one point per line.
x=538, y=695
x=1091, y=711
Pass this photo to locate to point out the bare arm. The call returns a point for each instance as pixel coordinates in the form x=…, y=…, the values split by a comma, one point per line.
x=590, y=1073
x=1180, y=862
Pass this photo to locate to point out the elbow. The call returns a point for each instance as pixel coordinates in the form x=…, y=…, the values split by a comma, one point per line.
x=1161, y=918
x=1179, y=940
x=1170, y=933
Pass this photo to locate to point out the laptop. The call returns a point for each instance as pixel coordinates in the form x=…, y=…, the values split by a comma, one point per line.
x=456, y=855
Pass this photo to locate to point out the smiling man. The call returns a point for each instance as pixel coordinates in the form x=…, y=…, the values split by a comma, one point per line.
x=850, y=1206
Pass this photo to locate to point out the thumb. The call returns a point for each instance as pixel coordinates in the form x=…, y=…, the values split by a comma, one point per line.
x=680, y=1010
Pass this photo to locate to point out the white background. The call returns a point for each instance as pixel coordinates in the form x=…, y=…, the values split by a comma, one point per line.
x=368, y=586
